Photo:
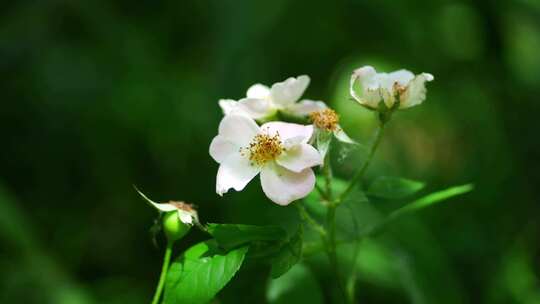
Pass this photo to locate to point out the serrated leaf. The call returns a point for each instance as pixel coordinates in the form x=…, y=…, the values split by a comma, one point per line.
x=296, y=286
x=232, y=235
x=288, y=255
x=393, y=187
x=200, y=273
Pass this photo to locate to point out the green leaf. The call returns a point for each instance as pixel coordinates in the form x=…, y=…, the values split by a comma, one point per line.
x=393, y=187
x=431, y=199
x=296, y=286
x=288, y=255
x=418, y=204
x=230, y=236
x=200, y=273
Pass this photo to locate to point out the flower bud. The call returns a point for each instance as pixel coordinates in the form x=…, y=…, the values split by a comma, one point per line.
x=173, y=226
x=177, y=219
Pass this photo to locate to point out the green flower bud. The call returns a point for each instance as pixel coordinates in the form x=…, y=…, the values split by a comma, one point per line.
x=173, y=227
x=177, y=219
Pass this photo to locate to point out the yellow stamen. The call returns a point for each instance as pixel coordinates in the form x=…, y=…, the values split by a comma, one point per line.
x=326, y=119
x=263, y=148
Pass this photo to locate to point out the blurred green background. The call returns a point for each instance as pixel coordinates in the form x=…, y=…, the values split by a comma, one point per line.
x=98, y=95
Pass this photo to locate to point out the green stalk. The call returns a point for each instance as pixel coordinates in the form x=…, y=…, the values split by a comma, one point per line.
x=360, y=173
x=306, y=217
x=327, y=171
x=163, y=276
x=330, y=237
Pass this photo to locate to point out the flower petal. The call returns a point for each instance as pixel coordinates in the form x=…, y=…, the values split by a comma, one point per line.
x=258, y=91
x=221, y=148
x=286, y=131
x=238, y=129
x=401, y=77
x=235, y=172
x=299, y=158
x=283, y=186
x=164, y=207
x=342, y=136
x=228, y=106
x=416, y=92
x=256, y=108
x=370, y=86
x=305, y=107
x=185, y=217
x=289, y=91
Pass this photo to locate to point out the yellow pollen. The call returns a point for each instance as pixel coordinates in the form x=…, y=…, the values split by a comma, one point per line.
x=326, y=119
x=263, y=148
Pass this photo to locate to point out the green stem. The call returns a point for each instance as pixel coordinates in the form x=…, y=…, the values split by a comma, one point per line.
x=163, y=276
x=351, y=280
x=306, y=217
x=360, y=173
x=331, y=246
x=327, y=171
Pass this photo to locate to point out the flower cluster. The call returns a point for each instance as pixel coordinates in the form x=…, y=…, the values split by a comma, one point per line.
x=251, y=142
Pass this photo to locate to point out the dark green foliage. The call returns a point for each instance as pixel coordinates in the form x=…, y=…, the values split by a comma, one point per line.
x=200, y=273
x=393, y=187
x=98, y=95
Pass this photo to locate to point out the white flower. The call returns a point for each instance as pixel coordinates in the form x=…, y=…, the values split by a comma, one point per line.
x=409, y=89
x=279, y=151
x=186, y=213
x=262, y=102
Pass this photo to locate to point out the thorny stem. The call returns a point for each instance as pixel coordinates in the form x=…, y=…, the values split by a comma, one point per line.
x=163, y=276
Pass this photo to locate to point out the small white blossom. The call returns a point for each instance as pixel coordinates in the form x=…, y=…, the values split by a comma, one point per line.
x=279, y=151
x=262, y=102
x=186, y=213
x=401, y=87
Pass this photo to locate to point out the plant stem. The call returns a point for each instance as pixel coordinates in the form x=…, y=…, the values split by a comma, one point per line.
x=307, y=218
x=351, y=280
x=163, y=276
x=331, y=246
x=327, y=171
x=360, y=173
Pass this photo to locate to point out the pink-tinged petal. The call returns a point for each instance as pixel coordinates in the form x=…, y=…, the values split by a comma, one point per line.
x=238, y=129
x=288, y=131
x=416, y=92
x=283, y=186
x=228, y=106
x=256, y=108
x=305, y=107
x=221, y=148
x=235, y=172
x=299, y=158
x=258, y=91
x=289, y=91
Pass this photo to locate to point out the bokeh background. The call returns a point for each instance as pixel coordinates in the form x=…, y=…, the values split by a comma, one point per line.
x=96, y=96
